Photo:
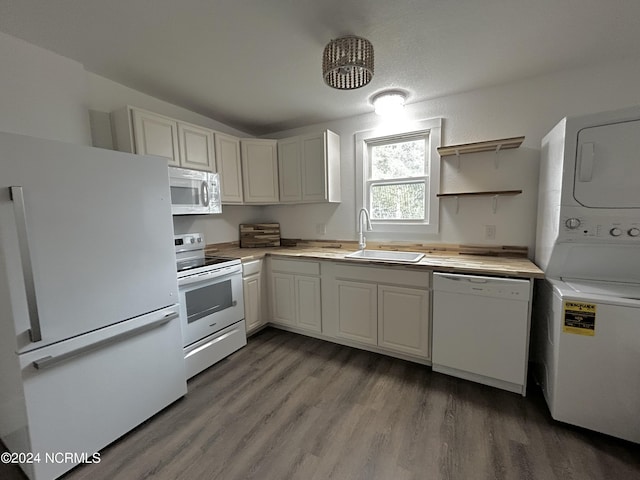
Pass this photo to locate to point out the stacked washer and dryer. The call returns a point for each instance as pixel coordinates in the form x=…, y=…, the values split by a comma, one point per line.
x=586, y=314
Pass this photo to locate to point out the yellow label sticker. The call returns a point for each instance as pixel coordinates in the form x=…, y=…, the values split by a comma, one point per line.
x=579, y=318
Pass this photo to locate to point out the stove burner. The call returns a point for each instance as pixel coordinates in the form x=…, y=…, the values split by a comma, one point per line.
x=207, y=261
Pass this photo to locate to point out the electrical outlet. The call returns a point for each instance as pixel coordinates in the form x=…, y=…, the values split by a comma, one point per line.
x=321, y=228
x=490, y=232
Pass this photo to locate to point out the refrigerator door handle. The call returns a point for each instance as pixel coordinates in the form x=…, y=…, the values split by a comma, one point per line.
x=17, y=197
x=50, y=361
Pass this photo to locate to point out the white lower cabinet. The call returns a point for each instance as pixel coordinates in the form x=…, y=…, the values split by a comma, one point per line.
x=387, y=308
x=295, y=294
x=255, y=300
x=307, y=296
x=403, y=315
x=384, y=309
x=283, y=298
x=357, y=311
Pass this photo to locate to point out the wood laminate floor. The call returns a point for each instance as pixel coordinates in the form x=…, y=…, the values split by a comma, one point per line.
x=292, y=407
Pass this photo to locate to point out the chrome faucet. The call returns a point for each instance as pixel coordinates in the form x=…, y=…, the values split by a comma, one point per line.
x=361, y=239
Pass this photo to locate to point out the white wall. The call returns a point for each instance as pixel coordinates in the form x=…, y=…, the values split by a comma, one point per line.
x=530, y=107
x=221, y=228
x=42, y=94
x=106, y=95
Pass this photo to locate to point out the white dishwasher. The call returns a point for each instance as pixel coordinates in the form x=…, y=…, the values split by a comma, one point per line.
x=481, y=329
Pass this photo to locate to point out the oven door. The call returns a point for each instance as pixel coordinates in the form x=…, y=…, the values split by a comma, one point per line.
x=210, y=302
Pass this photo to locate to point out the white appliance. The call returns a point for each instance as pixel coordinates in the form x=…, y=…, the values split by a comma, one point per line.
x=481, y=329
x=194, y=192
x=211, y=304
x=88, y=299
x=586, y=326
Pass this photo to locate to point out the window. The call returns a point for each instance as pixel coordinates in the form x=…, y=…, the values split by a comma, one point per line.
x=398, y=175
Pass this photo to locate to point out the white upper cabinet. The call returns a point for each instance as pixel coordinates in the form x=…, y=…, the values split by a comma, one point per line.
x=196, y=147
x=259, y=171
x=147, y=133
x=301, y=169
x=289, y=170
x=229, y=167
x=310, y=168
x=156, y=135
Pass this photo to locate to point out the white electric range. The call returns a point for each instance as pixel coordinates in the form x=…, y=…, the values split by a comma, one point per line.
x=211, y=303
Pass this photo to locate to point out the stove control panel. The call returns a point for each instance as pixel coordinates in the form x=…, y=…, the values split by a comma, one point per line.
x=188, y=241
x=600, y=228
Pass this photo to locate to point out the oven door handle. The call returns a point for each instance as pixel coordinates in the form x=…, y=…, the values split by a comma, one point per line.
x=203, y=277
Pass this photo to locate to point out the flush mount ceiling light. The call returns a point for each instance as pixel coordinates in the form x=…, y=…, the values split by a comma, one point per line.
x=347, y=62
x=389, y=103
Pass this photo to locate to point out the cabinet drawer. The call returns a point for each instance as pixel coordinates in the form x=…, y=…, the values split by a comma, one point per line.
x=251, y=268
x=387, y=275
x=295, y=266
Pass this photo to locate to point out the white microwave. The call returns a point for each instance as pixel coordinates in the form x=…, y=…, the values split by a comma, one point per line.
x=194, y=192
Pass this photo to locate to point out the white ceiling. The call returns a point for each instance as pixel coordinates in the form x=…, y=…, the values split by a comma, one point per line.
x=256, y=64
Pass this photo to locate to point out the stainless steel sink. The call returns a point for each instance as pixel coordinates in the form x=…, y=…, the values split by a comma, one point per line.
x=386, y=256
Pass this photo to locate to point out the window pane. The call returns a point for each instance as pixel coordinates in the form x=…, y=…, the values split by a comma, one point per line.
x=398, y=160
x=403, y=201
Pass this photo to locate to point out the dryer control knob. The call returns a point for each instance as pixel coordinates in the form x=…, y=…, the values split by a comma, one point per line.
x=615, y=232
x=572, y=223
x=634, y=232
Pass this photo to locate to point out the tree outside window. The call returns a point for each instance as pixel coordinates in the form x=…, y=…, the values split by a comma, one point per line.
x=397, y=180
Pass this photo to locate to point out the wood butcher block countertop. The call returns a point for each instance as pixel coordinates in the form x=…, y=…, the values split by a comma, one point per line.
x=479, y=260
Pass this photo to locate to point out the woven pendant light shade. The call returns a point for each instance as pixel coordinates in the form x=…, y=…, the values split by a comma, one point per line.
x=347, y=62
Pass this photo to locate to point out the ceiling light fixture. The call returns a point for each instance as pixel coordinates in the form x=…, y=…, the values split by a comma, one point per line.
x=347, y=62
x=389, y=103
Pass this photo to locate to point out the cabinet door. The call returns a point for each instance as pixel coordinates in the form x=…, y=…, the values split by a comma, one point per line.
x=289, y=170
x=308, y=312
x=196, y=147
x=260, y=171
x=403, y=323
x=314, y=172
x=156, y=135
x=252, y=302
x=283, y=299
x=228, y=166
x=357, y=311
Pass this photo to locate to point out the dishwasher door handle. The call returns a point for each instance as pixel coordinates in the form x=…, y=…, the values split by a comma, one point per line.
x=477, y=280
x=461, y=278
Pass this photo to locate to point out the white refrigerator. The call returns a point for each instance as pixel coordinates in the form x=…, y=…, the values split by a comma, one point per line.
x=90, y=339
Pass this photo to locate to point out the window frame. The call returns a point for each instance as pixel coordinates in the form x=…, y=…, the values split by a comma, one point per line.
x=429, y=130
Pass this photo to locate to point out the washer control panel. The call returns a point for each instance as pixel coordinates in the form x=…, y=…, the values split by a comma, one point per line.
x=604, y=228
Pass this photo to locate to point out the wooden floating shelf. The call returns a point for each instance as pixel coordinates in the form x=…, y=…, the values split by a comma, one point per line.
x=488, y=146
x=477, y=194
